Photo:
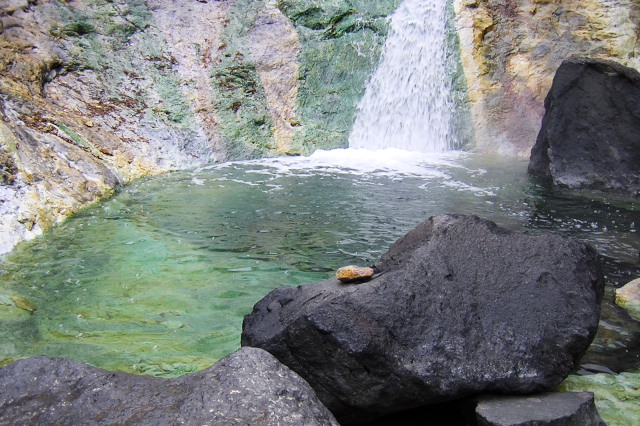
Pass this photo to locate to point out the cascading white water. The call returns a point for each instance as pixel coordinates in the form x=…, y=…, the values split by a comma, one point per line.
x=408, y=102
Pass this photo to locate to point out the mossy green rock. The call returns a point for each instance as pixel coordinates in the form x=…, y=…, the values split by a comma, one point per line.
x=341, y=46
x=23, y=303
x=240, y=99
x=617, y=397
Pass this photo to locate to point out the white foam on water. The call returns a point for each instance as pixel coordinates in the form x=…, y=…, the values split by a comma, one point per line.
x=392, y=163
x=388, y=162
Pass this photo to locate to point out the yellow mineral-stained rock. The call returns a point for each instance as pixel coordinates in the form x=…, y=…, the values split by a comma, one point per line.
x=84, y=111
x=511, y=50
x=23, y=303
x=628, y=297
x=354, y=274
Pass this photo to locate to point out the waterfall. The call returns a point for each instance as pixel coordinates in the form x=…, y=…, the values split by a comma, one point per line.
x=408, y=103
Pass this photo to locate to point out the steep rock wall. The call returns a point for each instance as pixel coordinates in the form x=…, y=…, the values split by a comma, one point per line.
x=511, y=49
x=95, y=93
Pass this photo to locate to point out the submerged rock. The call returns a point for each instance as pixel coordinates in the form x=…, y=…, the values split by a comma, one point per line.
x=461, y=307
x=617, y=396
x=247, y=387
x=628, y=297
x=23, y=303
x=589, y=135
x=552, y=409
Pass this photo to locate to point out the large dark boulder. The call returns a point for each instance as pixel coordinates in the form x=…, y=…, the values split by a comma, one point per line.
x=247, y=387
x=460, y=307
x=590, y=135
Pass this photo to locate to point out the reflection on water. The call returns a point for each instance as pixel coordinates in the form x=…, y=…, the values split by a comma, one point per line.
x=157, y=279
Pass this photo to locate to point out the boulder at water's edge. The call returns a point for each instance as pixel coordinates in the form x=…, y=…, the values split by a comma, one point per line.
x=247, y=387
x=461, y=306
x=590, y=135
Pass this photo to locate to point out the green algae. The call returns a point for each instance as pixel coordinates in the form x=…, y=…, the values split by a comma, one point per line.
x=124, y=49
x=617, y=396
x=72, y=29
x=23, y=303
x=75, y=137
x=341, y=46
x=462, y=122
x=242, y=107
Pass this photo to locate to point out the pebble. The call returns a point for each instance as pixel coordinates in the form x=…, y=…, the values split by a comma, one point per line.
x=354, y=274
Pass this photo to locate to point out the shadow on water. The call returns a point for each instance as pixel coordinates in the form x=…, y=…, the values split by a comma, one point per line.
x=610, y=223
x=157, y=279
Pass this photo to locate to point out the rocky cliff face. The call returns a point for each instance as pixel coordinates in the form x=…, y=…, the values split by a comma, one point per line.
x=511, y=49
x=94, y=93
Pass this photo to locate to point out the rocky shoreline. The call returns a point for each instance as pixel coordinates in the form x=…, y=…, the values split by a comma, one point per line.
x=84, y=110
x=461, y=309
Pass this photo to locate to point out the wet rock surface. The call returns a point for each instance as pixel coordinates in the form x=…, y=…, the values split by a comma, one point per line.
x=617, y=395
x=589, y=135
x=461, y=307
x=557, y=409
x=247, y=387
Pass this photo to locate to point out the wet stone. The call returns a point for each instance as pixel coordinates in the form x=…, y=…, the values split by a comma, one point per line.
x=455, y=307
x=558, y=409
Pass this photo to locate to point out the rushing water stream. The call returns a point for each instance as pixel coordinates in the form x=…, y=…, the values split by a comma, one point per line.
x=157, y=279
x=408, y=102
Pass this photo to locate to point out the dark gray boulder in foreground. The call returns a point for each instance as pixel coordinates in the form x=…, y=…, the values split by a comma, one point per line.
x=590, y=135
x=548, y=409
x=461, y=307
x=247, y=387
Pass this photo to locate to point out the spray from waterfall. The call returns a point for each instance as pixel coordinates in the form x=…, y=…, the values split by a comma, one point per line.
x=408, y=102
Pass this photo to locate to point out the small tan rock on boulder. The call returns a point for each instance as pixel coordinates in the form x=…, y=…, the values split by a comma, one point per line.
x=354, y=274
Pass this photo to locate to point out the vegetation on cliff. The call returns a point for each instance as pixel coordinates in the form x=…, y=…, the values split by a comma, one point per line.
x=341, y=45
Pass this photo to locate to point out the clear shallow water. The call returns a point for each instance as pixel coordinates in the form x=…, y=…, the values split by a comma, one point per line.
x=157, y=279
